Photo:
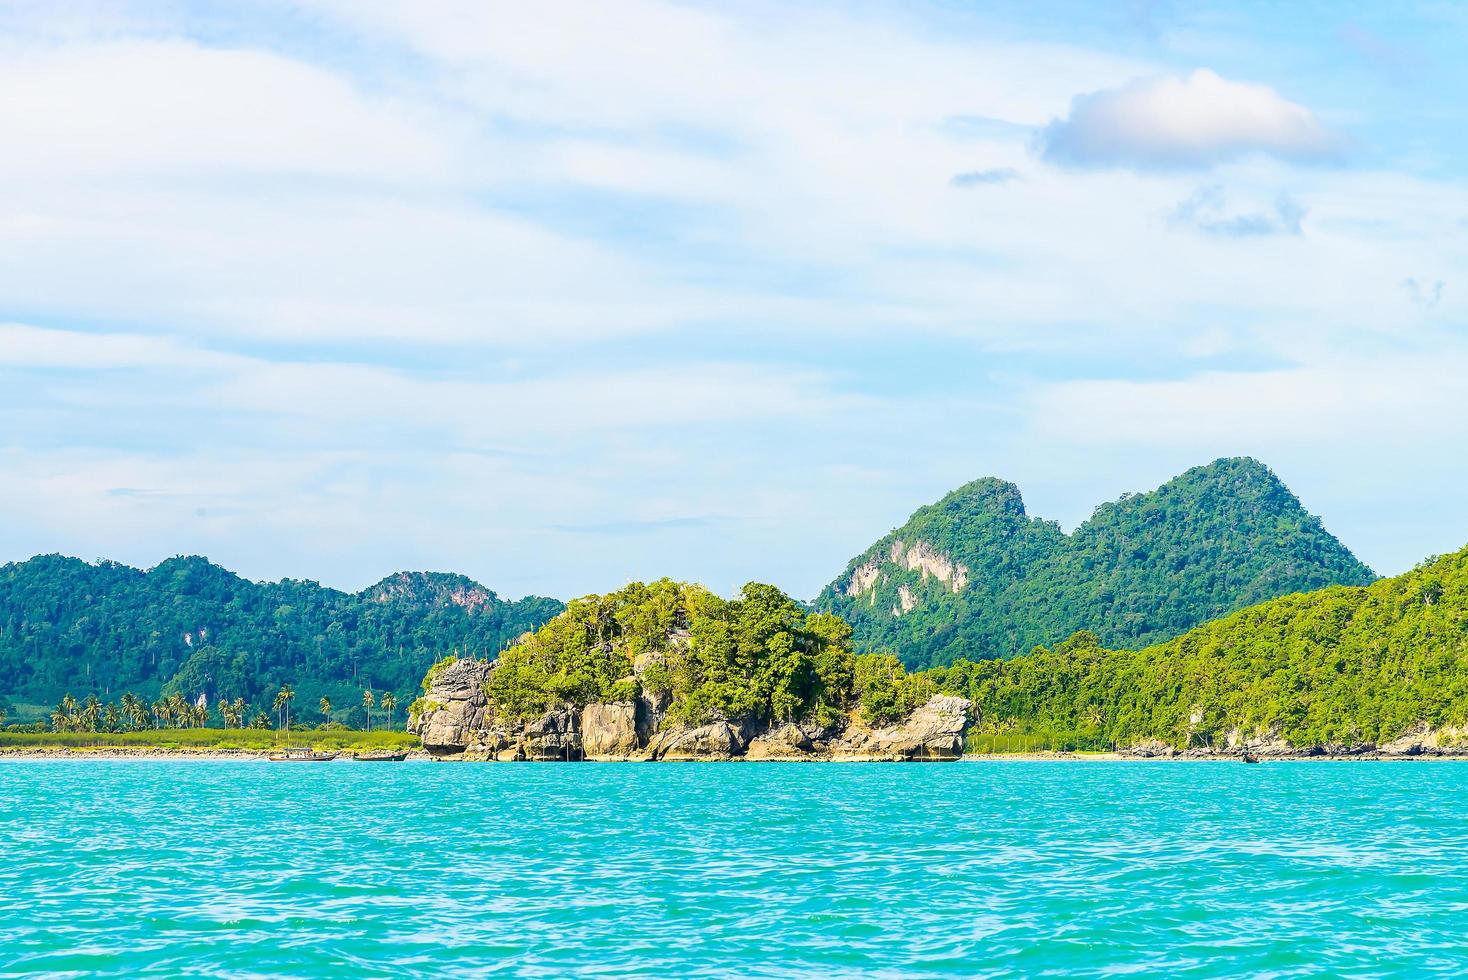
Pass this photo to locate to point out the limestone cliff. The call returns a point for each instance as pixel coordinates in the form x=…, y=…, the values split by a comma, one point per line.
x=454, y=720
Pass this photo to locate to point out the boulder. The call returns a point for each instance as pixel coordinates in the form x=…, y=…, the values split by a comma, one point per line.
x=609, y=730
x=456, y=707
x=554, y=737
x=933, y=732
x=786, y=741
x=716, y=740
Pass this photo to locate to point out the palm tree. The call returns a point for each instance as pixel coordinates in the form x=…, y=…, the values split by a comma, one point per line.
x=110, y=717
x=282, y=705
x=178, y=709
x=68, y=708
x=367, y=702
x=233, y=712
x=261, y=720
x=388, y=703
x=58, y=719
x=326, y=708
x=160, y=712
x=92, y=713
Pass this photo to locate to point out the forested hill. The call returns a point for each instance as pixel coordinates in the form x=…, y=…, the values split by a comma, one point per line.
x=973, y=576
x=1339, y=668
x=191, y=627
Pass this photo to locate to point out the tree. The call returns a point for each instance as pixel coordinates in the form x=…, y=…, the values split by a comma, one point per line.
x=69, y=710
x=3, y=716
x=325, y=709
x=92, y=713
x=388, y=704
x=282, y=704
x=109, y=717
x=367, y=702
x=261, y=720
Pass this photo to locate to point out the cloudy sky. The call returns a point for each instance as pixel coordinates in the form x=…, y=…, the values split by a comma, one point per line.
x=562, y=295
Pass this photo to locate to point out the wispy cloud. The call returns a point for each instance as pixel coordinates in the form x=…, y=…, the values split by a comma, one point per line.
x=1427, y=294
x=978, y=178
x=1208, y=211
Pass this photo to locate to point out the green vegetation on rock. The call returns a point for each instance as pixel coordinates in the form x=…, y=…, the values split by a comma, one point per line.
x=973, y=577
x=758, y=657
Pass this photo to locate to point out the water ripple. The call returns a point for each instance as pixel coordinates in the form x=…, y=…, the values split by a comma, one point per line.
x=1024, y=869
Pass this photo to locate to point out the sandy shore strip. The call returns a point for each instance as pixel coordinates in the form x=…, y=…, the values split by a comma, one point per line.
x=105, y=752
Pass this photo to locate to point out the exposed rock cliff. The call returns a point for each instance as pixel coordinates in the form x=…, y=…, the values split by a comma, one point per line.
x=454, y=720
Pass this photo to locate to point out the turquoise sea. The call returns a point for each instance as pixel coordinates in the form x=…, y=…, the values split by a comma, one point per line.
x=737, y=870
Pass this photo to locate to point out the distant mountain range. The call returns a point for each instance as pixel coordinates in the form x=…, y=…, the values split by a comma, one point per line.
x=973, y=576
x=969, y=577
x=68, y=626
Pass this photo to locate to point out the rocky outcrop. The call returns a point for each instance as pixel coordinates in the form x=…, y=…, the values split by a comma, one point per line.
x=454, y=711
x=716, y=740
x=922, y=557
x=455, y=720
x=788, y=741
x=933, y=732
x=609, y=731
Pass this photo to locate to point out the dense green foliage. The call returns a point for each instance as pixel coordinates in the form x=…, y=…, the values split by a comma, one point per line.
x=1336, y=666
x=757, y=657
x=190, y=628
x=1140, y=570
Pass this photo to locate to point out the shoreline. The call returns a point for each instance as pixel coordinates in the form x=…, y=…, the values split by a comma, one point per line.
x=160, y=754
x=112, y=753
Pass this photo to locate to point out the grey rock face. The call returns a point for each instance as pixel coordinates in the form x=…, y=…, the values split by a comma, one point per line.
x=933, y=732
x=610, y=730
x=717, y=740
x=459, y=722
x=457, y=708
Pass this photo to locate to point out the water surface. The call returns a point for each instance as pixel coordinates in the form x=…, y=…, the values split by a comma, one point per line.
x=778, y=870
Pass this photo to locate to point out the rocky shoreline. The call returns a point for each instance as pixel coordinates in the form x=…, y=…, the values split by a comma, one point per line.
x=457, y=723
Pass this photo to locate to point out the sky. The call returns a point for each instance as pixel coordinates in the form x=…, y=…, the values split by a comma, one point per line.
x=563, y=295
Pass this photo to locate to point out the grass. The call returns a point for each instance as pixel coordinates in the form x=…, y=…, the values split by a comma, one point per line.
x=211, y=739
x=1008, y=743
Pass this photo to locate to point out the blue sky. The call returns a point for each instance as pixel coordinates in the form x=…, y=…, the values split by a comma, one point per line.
x=563, y=295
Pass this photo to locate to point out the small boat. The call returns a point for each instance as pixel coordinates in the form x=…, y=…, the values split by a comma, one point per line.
x=1250, y=757
x=302, y=754
x=381, y=757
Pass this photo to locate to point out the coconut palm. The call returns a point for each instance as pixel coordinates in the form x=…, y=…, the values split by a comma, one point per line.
x=388, y=704
x=92, y=713
x=237, y=708
x=367, y=702
x=178, y=710
x=261, y=720
x=282, y=705
x=109, y=717
x=159, y=710
x=325, y=706
x=68, y=708
x=58, y=719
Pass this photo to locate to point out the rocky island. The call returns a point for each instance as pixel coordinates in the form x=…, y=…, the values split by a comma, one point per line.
x=669, y=671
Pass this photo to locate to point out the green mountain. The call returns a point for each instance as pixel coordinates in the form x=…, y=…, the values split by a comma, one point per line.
x=191, y=627
x=973, y=576
x=1338, y=667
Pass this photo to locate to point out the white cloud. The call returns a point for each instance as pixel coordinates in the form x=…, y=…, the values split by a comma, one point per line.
x=1191, y=122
